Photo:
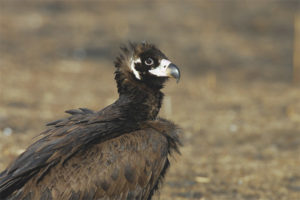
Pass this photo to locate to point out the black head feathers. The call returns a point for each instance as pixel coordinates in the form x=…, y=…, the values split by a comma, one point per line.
x=144, y=64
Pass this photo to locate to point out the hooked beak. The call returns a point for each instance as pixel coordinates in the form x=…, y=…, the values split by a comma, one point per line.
x=173, y=71
x=166, y=69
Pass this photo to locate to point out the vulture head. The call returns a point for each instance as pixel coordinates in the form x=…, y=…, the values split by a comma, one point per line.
x=144, y=64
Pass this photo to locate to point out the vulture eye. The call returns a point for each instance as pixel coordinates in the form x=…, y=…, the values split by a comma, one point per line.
x=149, y=61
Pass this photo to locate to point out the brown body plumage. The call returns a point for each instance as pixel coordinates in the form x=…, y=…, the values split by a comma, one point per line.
x=120, y=152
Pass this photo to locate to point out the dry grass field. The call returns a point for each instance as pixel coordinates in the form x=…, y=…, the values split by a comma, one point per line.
x=236, y=104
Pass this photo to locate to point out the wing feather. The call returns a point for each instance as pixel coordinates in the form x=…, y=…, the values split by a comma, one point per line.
x=106, y=158
x=61, y=141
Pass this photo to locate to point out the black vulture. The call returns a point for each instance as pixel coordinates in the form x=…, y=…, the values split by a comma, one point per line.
x=119, y=152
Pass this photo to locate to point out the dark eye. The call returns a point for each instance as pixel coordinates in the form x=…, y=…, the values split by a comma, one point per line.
x=149, y=61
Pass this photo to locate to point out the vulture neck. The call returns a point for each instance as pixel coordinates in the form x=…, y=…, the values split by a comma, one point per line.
x=138, y=102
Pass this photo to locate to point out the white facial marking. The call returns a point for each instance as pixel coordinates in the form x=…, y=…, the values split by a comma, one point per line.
x=132, y=67
x=161, y=70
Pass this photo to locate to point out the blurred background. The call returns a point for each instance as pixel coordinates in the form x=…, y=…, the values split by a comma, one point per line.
x=238, y=101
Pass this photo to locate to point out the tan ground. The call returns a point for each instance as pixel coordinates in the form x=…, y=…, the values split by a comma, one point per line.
x=241, y=122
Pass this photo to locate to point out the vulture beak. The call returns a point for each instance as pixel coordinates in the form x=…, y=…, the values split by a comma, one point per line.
x=173, y=71
x=166, y=69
